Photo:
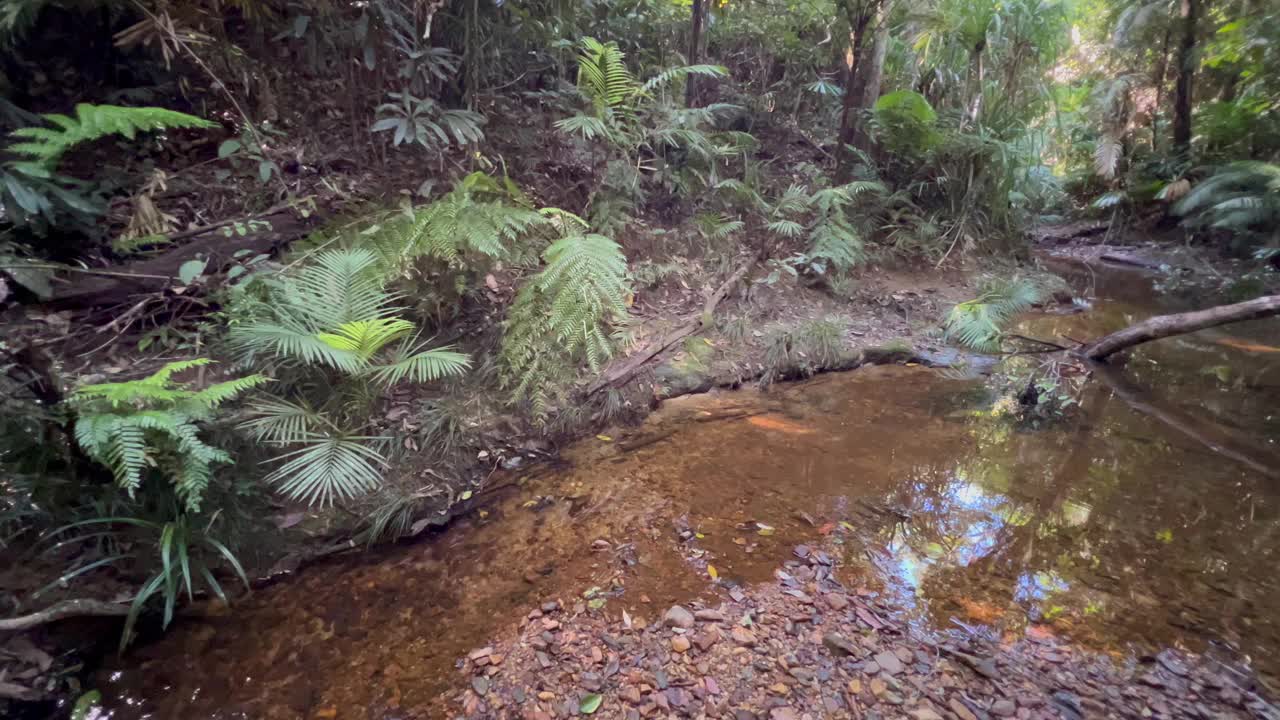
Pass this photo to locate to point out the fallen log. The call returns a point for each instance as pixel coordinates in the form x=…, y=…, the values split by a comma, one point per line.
x=63, y=610
x=1163, y=326
x=212, y=243
x=1206, y=432
x=618, y=375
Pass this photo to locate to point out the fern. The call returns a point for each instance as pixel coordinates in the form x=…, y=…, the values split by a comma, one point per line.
x=562, y=317
x=134, y=425
x=979, y=323
x=43, y=147
x=475, y=220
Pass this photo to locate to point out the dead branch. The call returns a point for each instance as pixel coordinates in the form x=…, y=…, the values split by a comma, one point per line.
x=1163, y=326
x=63, y=610
x=619, y=375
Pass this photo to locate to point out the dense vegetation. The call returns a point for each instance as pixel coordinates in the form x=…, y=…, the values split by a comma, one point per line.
x=460, y=202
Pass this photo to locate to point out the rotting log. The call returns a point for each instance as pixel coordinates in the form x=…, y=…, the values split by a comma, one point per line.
x=63, y=610
x=1206, y=432
x=1163, y=326
x=619, y=375
x=210, y=243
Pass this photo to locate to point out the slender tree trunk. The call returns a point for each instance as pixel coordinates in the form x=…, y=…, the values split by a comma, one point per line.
x=1163, y=326
x=859, y=18
x=869, y=80
x=695, y=42
x=1162, y=69
x=1188, y=13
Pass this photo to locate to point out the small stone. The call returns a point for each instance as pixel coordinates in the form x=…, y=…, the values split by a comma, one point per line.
x=855, y=687
x=707, y=615
x=839, y=644
x=878, y=686
x=481, y=653
x=837, y=602
x=596, y=655
x=704, y=640
x=743, y=636
x=783, y=713
x=961, y=710
x=546, y=695
x=679, y=617
x=550, y=606
x=924, y=714
x=496, y=659
x=680, y=643
x=889, y=662
x=1004, y=708
x=780, y=689
x=631, y=694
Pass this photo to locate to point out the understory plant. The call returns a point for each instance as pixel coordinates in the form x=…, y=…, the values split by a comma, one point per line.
x=980, y=323
x=151, y=426
x=564, y=316
x=331, y=332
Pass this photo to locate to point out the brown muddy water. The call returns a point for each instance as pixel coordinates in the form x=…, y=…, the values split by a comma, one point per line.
x=1109, y=527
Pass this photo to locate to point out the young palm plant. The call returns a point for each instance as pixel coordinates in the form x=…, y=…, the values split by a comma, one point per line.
x=330, y=332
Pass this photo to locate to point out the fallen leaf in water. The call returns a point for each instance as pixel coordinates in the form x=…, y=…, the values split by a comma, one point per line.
x=327, y=713
x=739, y=541
x=982, y=612
x=826, y=528
x=466, y=495
x=1247, y=346
x=711, y=570
x=604, y=438
x=590, y=704
x=491, y=282
x=777, y=424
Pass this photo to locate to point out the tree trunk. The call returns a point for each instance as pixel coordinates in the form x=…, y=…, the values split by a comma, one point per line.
x=869, y=80
x=1186, y=76
x=1161, y=70
x=1163, y=326
x=695, y=42
x=859, y=18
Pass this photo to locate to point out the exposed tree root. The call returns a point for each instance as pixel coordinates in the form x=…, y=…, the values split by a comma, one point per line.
x=63, y=610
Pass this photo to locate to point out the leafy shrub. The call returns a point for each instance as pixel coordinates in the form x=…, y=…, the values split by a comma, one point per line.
x=137, y=426
x=904, y=122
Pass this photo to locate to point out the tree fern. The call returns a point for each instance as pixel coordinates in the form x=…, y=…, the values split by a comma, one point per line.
x=563, y=316
x=980, y=323
x=136, y=425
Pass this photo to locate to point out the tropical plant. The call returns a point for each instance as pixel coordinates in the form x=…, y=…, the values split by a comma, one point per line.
x=186, y=555
x=563, y=316
x=1242, y=197
x=824, y=218
x=331, y=330
x=980, y=323
x=152, y=424
x=423, y=121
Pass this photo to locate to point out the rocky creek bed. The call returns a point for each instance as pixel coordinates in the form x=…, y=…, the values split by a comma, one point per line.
x=809, y=646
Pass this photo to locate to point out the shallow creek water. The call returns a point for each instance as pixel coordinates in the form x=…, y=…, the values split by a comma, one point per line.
x=1109, y=527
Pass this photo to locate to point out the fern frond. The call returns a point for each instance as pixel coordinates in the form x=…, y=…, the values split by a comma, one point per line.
x=785, y=228
x=218, y=393
x=46, y=146
x=670, y=75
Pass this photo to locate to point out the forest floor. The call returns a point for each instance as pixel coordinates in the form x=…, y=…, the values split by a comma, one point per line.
x=807, y=646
